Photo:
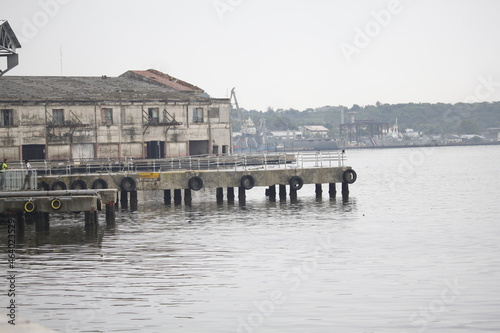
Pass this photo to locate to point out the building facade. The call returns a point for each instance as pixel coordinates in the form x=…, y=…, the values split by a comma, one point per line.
x=140, y=114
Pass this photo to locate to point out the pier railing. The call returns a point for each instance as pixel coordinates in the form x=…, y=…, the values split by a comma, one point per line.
x=189, y=163
x=14, y=180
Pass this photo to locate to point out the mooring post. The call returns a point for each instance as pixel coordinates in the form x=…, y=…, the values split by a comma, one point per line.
x=219, y=195
x=124, y=199
x=319, y=190
x=187, y=197
x=230, y=195
x=293, y=194
x=242, y=196
x=282, y=192
x=167, y=197
x=177, y=197
x=271, y=192
x=110, y=213
x=345, y=190
x=133, y=200
x=332, y=190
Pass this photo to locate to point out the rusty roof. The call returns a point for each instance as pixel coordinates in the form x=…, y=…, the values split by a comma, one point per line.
x=158, y=77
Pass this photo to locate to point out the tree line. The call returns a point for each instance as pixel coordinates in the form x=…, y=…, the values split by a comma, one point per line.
x=431, y=119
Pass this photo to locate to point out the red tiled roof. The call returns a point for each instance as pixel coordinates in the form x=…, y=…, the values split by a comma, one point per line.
x=165, y=80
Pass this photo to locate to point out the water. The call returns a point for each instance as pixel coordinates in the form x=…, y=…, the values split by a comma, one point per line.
x=415, y=249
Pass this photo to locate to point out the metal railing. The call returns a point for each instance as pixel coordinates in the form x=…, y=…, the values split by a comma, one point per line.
x=14, y=180
x=192, y=163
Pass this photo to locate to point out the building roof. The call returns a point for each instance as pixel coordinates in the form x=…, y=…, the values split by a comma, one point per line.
x=316, y=128
x=158, y=77
x=78, y=88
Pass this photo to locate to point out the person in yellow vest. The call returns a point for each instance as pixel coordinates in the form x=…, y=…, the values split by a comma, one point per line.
x=4, y=167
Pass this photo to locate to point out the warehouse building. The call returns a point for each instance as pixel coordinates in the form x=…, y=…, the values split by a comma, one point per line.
x=139, y=114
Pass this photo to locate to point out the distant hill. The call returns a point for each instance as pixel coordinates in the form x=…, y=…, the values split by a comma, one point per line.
x=439, y=118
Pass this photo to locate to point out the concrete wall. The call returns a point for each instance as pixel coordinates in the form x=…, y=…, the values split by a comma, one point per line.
x=122, y=135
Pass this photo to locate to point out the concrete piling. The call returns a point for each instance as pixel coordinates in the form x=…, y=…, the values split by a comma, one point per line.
x=219, y=195
x=124, y=199
x=332, y=190
x=230, y=195
x=271, y=191
x=167, y=197
x=133, y=200
x=282, y=192
x=187, y=197
x=242, y=196
x=293, y=195
x=319, y=191
x=345, y=190
x=177, y=197
x=110, y=213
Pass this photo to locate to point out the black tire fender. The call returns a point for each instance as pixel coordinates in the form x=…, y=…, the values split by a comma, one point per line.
x=43, y=185
x=296, y=182
x=59, y=185
x=79, y=185
x=99, y=184
x=128, y=184
x=195, y=183
x=247, y=182
x=349, y=176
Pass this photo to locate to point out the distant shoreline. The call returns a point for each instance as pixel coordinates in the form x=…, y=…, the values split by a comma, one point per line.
x=428, y=145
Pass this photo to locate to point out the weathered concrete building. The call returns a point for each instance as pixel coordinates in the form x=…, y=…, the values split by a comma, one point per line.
x=140, y=114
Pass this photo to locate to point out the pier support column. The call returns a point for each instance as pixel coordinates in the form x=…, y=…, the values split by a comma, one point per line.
x=91, y=218
x=110, y=213
x=332, y=190
x=124, y=199
x=319, y=191
x=230, y=195
x=345, y=190
x=272, y=193
x=219, y=195
x=282, y=192
x=133, y=200
x=177, y=197
x=242, y=196
x=167, y=197
x=293, y=195
x=187, y=197
x=20, y=227
x=42, y=221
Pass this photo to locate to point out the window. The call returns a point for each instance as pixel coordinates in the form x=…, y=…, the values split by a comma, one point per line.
x=197, y=115
x=213, y=113
x=154, y=115
x=107, y=116
x=58, y=116
x=7, y=117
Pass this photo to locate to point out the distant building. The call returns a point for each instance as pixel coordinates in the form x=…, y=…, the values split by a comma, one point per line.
x=140, y=114
x=287, y=135
x=316, y=131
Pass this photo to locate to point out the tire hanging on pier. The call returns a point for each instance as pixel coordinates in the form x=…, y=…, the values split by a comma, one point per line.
x=43, y=185
x=296, y=182
x=58, y=185
x=247, y=182
x=128, y=184
x=195, y=183
x=99, y=184
x=349, y=176
x=79, y=185
x=29, y=206
x=56, y=204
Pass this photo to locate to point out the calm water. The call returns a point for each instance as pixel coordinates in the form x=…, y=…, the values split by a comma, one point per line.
x=415, y=249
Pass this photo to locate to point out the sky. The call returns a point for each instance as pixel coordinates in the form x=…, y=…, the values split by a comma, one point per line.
x=277, y=53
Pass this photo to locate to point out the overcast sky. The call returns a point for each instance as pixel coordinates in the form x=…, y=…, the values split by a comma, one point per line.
x=278, y=53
